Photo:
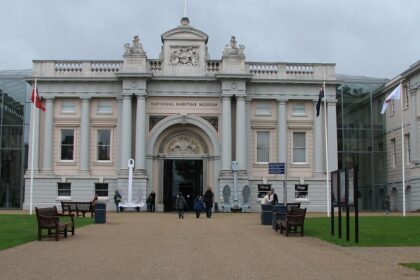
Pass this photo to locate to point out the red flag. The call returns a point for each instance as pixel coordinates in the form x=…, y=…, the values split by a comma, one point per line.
x=35, y=96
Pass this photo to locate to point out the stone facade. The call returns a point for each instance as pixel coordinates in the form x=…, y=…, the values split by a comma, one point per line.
x=410, y=114
x=182, y=106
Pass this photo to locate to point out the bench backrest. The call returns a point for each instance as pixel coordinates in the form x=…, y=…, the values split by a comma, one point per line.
x=293, y=205
x=298, y=215
x=46, y=212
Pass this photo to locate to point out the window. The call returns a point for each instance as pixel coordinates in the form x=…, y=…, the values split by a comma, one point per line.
x=393, y=153
x=407, y=149
x=406, y=97
x=104, y=107
x=263, y=109
x=64, y=189
x=101, y=189
x=299, y=147
x=392, y=107
x=263, y=146
x=298, y=109
x=104, y=144
x=67, y=144
x=68, y=107
x=301, y=192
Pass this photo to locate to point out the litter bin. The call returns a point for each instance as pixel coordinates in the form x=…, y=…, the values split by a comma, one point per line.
x=266, y=214
x=216, y=207
x=100, y=213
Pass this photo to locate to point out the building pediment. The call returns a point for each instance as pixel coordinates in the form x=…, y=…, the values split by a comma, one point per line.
x=184, y=32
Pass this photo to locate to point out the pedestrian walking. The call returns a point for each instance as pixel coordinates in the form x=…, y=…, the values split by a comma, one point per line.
x=180, y=205
x=117, y=199
x=208, y=201
x=198, y=205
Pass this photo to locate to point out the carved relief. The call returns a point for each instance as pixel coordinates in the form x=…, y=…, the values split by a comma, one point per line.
x=187, y=56
x=183, y=145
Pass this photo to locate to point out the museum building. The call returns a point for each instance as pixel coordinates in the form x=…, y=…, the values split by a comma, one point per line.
x=184, y=118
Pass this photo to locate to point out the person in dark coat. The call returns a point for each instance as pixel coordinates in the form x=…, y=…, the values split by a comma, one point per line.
x=208, y=201
x=275, y=200
x=198, y=205
x=152, y=201
x=180, y=205
x=117, y=199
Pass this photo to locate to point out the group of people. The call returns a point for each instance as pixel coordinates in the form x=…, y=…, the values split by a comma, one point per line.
x=270, y=198
x=200, y=202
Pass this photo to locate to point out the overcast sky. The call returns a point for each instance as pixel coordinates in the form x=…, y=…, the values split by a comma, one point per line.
x=377, y=38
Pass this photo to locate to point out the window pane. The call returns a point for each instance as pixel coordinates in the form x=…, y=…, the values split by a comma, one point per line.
x=104, y=144
x=101, y=189
x=299, y=147
x=68, y=107
x=299, y=108
x=263, y=146
x=263, y=108
x=67, y=144
x=104, y=107
x=64, y=189
x=12, y=137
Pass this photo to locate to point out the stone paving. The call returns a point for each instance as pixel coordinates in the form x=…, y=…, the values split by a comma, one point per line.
x=228, y=246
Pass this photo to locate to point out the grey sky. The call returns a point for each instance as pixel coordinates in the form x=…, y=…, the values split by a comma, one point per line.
x=378, y=38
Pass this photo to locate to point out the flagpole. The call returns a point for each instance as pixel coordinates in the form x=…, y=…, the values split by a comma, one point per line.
x=327, y=180
x=402, y=147
x=32, y=147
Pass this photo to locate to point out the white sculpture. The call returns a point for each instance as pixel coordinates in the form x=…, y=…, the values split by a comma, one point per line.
x=129, y=203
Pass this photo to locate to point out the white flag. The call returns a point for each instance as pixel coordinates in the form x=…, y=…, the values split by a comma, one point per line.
x=395, y=94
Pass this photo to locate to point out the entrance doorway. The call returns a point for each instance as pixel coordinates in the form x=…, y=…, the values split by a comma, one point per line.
x=181, y=175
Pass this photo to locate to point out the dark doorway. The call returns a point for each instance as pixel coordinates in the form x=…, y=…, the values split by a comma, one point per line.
x=184, y=176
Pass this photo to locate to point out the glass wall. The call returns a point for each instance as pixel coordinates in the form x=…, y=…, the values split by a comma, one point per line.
x=14, y=97
x=361, y=137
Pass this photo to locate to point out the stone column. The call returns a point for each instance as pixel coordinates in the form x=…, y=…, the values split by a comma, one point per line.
x=226, y=133
x=119, y=136
x=126, y=132
x=281, y=131
x=141, y=133
x=332, y=136
x=48, y=132
x=84, y=135
x=413, y=127
x=240, y=133
x=35, y=140
x=318, y=141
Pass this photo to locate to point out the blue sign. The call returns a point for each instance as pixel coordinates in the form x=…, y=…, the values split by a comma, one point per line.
x=276, y=168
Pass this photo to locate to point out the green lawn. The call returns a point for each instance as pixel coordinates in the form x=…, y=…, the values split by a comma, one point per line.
x=374, y=231
x=415, y=266
x=19, y=229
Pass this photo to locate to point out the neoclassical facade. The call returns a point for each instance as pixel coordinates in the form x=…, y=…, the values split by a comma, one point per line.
x=406, y=115
x=184, y=118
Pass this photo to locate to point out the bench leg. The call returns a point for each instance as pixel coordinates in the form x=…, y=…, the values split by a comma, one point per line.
x=39, y=234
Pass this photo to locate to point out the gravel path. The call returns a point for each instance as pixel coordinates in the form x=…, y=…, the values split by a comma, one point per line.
x=227, y=246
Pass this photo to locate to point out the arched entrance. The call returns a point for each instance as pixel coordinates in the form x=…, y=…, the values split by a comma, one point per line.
x=182, y=168
x=183, y=155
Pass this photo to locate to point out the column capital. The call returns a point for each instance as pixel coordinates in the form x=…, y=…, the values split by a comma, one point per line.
x=85, y=98
x=49, y=98
x=282, y=100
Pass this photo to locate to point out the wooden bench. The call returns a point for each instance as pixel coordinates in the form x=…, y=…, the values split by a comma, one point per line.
x=80, y=208
x=49, y=219
x=294, y=218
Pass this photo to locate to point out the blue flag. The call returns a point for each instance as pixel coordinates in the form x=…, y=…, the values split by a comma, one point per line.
x=318, y=104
